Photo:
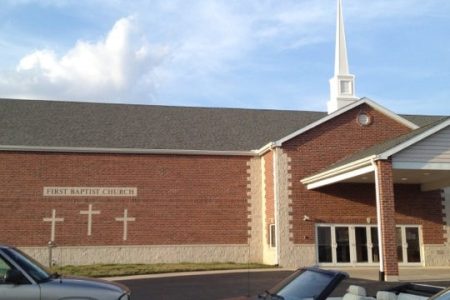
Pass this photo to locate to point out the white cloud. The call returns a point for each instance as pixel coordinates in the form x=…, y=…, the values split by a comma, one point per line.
x=189, y=42
x=109, y=69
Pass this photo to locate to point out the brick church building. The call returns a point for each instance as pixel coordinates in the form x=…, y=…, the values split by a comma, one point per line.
x=358, y=185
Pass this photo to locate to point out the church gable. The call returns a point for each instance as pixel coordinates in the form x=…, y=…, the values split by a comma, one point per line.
x=354, y=130
x=363, y=118
x=340, y=137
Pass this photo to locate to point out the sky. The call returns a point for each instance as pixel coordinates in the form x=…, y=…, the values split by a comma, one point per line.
x=270, y=54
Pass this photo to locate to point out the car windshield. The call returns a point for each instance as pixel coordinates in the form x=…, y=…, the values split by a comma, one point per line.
x=28, y=264
x=444, y=295
x=308, y=285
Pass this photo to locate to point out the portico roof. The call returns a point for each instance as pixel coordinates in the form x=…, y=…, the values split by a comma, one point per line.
x=359, y=167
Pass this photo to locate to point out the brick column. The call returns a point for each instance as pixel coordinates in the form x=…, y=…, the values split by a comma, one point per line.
x=385, y=192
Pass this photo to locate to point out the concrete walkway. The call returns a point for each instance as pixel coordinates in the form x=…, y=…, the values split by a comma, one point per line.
x=406, y=273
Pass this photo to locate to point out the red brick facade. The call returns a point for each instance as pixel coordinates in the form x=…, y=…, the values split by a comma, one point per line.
x=211, y=200
x=181, y=199
x=352, y=203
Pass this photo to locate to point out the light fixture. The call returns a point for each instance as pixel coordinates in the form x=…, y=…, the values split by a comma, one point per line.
x=306, y=218
x=404, y=179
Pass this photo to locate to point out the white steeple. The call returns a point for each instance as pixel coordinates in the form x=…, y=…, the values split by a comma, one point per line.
x=342, y=85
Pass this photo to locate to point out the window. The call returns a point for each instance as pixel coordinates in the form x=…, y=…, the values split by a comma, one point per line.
x=346, y=87
x=399, y=244
x=413, y=248
x=324, y=244
x=361, y=244
x=358, y=244
x=28, y=264
x=408, y=244
x=4, y=268
x=272, y=236
x=342, y=244
x=308, y=285
x=375, y=247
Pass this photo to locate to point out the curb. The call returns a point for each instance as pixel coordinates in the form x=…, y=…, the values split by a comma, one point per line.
x=195, y=273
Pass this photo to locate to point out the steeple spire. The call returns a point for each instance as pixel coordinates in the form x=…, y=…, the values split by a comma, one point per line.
x=342, y=85
x=341, y=60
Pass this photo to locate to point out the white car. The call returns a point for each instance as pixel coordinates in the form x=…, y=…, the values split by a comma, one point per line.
x=22, y=278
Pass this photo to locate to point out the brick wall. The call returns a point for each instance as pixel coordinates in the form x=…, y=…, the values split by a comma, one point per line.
x=351, y=203
x=181, y=199
x=387, y=219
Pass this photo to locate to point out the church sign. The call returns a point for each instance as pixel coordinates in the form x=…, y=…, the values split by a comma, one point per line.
x=52, y=191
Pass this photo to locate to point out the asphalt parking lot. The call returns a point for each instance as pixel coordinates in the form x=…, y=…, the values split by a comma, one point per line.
x=221, y=286
x=204, y=287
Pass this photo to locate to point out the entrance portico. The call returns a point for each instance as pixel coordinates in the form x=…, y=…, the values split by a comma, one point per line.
x=420, y=158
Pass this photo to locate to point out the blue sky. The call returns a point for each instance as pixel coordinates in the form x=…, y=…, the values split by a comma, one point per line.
x=274, y=54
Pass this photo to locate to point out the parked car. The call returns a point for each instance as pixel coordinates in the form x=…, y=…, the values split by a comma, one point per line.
x=411, y=291
x=21, y=277
x=306, y=283
x=319, y=284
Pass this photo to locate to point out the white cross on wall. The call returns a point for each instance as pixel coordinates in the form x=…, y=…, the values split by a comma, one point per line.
x=125, y=219
x=53, y=219
x=89, y=213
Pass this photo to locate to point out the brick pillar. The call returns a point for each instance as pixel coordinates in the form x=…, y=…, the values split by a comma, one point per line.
x=387, y=210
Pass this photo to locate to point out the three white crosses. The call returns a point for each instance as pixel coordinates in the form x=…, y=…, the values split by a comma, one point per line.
x=90, y=213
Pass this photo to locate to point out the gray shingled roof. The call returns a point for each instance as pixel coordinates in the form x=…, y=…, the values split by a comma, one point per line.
x=98, y=125
x=423, y=120
x=95, y=125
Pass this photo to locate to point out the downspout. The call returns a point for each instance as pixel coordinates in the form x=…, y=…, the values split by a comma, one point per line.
x=378, y=203
x=276, y=197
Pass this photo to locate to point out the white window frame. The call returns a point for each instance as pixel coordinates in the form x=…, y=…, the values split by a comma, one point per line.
x=346, y=87
x=272, y=236
x=405, y=246
x=352, y=244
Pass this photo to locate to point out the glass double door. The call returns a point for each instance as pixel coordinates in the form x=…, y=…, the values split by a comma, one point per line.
x=408, y=244
x=358, y=244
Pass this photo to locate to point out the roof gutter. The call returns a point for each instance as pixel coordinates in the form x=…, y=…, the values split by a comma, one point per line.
x=265, y=149
x=353, y=166
x=126, y=151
